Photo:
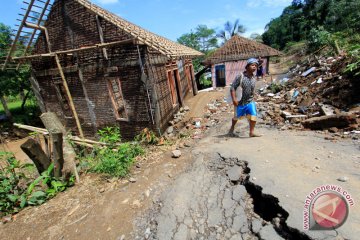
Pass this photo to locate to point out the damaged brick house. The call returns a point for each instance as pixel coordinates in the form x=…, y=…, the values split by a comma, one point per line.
x=95, y=69
x=229, y=60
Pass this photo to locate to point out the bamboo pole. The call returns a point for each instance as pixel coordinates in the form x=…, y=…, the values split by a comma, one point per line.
x=31, y=128
x=100, y=45
x=101, y=34
x=71, y=103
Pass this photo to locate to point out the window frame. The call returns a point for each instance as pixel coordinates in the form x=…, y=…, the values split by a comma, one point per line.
x=113, y=99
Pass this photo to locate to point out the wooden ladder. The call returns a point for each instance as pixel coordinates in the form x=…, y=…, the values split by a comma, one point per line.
x=29, y=27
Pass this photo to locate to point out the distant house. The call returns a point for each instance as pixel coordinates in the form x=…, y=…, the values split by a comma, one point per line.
x=230, y=60
x=95, y=69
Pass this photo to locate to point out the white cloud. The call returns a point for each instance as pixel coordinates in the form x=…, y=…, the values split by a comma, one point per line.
x=107, y=1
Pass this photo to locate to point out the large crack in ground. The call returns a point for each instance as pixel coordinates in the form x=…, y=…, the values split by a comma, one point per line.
x=215, y=199
x=268, y=208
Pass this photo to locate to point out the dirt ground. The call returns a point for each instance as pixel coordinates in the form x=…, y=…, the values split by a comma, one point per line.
x=99, y=208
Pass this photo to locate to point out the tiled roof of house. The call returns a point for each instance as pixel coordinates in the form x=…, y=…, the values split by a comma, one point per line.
x=239, y=48
x=161, y=44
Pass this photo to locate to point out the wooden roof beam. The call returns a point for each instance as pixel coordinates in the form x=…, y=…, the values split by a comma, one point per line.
x=100, y=45
x=34, y=26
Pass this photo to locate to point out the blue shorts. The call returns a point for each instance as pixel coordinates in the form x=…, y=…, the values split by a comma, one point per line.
x=247, y=110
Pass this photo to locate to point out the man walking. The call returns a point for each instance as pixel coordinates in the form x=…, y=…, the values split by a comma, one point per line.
x=246, y=107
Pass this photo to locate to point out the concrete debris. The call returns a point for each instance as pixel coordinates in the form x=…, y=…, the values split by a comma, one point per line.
x=325, y=122
x=313, y=95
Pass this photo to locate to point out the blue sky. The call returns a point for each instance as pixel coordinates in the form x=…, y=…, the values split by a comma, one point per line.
x=172, y=18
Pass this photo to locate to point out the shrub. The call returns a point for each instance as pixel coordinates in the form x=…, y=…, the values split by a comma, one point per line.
x=114, y=159
x=17, y=190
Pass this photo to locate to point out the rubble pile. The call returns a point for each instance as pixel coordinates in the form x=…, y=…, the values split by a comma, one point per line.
x=195, y=127
x=315, y=95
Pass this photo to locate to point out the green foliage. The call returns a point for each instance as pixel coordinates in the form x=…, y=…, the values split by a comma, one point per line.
x=295, y=47
x=319, y=38
x=11, y=191
x=114, y=159
x=205, y=81
x=300, y=20
x=18, y=190
x=110, y=135
x=202, y=39
x=13, y=82
x=354, y=67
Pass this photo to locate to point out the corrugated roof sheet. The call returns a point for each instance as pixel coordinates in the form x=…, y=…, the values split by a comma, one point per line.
x=161, y=44
x=239, y=48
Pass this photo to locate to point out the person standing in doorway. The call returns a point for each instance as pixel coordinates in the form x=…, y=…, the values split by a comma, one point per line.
x=246, y=107
x=260, y=69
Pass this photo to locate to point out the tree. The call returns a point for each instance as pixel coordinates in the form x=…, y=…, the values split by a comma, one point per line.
x=202, y=39
x=12, y=82
x=230, y=30
x=299, y=20
x=257, y=37
x=5, y=77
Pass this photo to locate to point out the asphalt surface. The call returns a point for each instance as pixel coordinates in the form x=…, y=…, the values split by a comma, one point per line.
x=255, y=188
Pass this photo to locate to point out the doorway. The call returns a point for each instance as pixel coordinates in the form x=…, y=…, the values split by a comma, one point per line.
x=220, y=75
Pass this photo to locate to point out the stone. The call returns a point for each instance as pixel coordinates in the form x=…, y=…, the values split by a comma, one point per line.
x=132, y=180
x=170, y=130
x=343, y=179
x=176, y=153
x=147, y=233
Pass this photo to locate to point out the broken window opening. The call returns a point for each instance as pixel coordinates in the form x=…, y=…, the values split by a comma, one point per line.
x=172, y=87
x=117, y=99
x=63, y=99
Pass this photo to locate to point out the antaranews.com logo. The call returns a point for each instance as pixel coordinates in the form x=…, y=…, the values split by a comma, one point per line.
x=326, y=207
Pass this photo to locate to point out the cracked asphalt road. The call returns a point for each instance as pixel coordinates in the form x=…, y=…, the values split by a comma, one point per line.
x=206, y=202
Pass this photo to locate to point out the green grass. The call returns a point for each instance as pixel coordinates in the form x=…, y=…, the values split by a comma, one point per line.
x=28, y=116
x=13, y=107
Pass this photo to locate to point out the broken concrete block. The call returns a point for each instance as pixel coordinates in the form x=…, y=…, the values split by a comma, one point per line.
x=285, y=114
x=327, y=110
x=308, y=71
x=339, y=120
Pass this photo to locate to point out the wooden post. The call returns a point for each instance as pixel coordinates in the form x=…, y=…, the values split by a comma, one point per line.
x=53, y=125
x=57, y=153
x=36, y=154
x=71, y=103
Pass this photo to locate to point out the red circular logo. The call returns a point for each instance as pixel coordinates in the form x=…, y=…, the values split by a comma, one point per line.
x=330, y=210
